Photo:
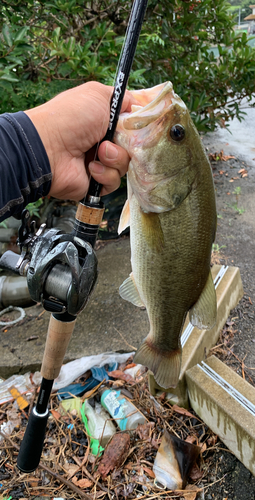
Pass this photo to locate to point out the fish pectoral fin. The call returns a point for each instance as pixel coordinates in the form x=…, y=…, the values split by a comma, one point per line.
x=128, y=291
x=165, y=365
x=204, y=313
x=152, y=231
x=124, y=221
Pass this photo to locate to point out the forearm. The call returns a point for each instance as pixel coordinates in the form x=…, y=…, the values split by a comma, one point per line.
x=25, y=173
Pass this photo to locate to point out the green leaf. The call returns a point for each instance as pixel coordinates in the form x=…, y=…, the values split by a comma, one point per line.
x=9, y=78
x=7, y=35
x=21, y=34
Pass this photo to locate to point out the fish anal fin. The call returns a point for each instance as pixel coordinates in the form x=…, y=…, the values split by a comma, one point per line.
x=204, y=313
x=165, y=365
x=128, y=291
x=152, y=231
x=124, y=221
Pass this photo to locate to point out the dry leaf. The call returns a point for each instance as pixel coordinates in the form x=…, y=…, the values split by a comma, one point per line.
x=195, y=473
x=131, y=365
x=191, y=439
x=190, y=492
x=71, y=469
x=182, y=411
x=149, y=471
x=56, y=414
x=203, y=447
x=144, y=430
x=120, y=375
x=82, y=483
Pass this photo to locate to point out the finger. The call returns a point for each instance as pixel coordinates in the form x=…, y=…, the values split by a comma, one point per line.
x=114, y=156
x=108, y=177
x=128, y=100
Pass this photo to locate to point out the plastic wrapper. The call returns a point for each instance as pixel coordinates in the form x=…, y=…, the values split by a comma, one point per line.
x=70, y=371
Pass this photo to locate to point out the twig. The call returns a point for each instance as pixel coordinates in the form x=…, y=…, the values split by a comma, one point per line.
x=54, y=474
x=103, y=488
x=123, y=338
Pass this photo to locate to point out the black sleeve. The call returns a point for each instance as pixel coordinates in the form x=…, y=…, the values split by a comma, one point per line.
x=25, y=174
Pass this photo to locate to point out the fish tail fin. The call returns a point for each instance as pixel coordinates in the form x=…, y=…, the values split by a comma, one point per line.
x=165, y=366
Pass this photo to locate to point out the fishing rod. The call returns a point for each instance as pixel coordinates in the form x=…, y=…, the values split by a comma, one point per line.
x=61, y=269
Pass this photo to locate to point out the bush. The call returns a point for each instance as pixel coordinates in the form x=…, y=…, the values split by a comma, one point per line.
x=49, y=46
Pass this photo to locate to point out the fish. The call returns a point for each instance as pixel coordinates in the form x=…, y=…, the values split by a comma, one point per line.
x=171, y=212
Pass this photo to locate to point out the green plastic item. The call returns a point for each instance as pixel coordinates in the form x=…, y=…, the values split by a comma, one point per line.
x=94, y=443
x=72, y=404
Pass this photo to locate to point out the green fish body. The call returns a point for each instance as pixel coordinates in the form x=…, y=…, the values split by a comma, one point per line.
x=172, y=216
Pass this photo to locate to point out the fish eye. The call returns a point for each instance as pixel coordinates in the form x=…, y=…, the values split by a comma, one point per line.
x=177, y=132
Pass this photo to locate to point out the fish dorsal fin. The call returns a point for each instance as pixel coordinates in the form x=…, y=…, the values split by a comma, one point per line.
x=152, y=231
x=204, y=313
x=124, y=218
x=128, y=291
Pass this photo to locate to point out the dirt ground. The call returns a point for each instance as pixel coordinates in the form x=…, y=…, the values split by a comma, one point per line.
x=235, y=245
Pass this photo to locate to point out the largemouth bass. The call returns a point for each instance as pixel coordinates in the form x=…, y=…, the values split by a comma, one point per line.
x=172, y=216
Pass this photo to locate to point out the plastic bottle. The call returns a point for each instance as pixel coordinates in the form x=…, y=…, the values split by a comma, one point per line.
x=98, y=423
x=120, y=408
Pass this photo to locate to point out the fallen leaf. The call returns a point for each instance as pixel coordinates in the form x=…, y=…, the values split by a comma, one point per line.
x=33, y=481
x=203, y=447
x=149, y=471
x=70, y=469
x=82, y=483
x=144, y=430
x=190, y=492
x=195, y=473
x=118, y=374
x=231, y=180
x=56, y=414
x=191, y=439
x=182, y=411
x=131, y=365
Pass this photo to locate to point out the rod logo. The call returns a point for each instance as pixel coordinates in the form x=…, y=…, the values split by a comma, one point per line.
x=116, y=96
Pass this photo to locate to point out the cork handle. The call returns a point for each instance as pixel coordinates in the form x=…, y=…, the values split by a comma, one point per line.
x=58, y=336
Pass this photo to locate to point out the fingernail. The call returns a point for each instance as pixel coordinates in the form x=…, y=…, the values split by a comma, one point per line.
x=111, y=151
x=96, y=167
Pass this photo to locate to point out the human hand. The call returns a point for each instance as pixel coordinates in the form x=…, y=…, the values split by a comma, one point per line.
x=70, y=125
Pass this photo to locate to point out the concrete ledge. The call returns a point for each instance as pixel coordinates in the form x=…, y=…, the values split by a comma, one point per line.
x=226, y=404
x=197, y=343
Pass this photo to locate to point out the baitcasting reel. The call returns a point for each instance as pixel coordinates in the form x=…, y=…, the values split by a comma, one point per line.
x=61, y=268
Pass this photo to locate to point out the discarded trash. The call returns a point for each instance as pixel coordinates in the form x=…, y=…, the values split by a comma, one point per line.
x=21, y=400
x=98, y=374
x=20, y=382
x=115, y=454
x=173, y=462
x=95, y=446
x=123, y=411
x=9, y=309
x=72, y=405
x=70, y=371
x=99, y=425
x=14, y=420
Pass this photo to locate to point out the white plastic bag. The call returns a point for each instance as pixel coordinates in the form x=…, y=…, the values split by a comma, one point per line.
x=76, y=368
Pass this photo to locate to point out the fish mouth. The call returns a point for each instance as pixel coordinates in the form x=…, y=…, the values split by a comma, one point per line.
x=152, y=103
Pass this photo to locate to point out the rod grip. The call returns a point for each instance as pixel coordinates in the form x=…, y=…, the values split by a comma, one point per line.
x=58, y=336
x=32, y=444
